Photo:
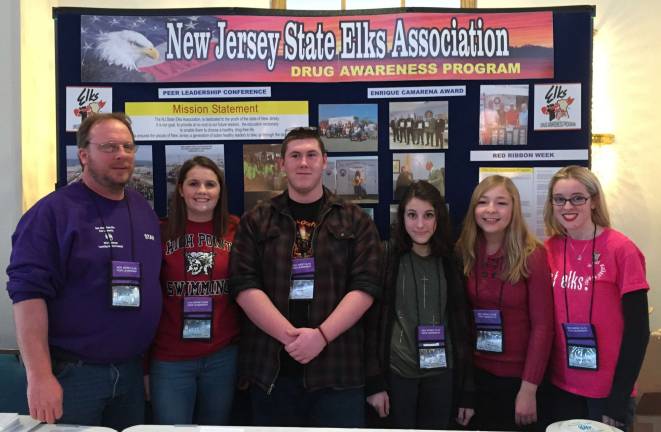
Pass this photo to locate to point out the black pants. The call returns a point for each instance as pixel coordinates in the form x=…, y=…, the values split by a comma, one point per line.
x=424, y=403
x=494, y=403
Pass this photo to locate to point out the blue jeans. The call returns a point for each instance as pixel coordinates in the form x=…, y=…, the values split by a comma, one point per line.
x=110, y=395
x=196, y=391
x=290, y=404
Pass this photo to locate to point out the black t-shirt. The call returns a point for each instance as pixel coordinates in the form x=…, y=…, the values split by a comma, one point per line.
x=305, y=216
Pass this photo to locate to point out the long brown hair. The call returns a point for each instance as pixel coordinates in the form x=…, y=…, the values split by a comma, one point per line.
x=177, y=216
x=440, y=242
x=519, y=242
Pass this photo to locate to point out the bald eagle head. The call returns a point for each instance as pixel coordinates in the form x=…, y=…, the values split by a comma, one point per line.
x=125, y=48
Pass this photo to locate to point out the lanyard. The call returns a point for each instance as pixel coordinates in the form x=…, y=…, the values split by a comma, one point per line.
x=415, y=283
x=477, y=289
x=564, y=277
x=105, y=227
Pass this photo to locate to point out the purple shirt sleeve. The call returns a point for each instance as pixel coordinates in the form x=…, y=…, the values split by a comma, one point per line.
x=34, y=268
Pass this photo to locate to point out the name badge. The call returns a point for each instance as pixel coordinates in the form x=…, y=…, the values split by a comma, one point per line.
x=431, y=347
x=125, y=277
x=301, y=289
x=488, y=330
x=581, y=345
x=197, y=318
x=302, y=266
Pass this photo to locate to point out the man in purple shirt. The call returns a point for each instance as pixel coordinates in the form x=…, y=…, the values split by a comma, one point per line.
x=83, y=277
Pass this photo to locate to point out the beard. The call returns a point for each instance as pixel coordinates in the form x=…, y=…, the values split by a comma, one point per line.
x=104, y=177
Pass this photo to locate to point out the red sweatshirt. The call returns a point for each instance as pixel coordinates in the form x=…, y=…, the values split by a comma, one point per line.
x=195, y=276
x=526, y=311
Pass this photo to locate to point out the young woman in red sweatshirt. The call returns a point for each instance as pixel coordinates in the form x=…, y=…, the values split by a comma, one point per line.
x=509, y=288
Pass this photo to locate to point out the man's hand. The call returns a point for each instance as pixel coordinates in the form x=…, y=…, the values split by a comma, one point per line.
x=44, y=390
x=45, y=398
x=380, y=402
x=525, y=406
x=307, y=345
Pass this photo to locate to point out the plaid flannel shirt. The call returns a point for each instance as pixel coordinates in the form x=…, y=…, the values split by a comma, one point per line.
x=347, y=253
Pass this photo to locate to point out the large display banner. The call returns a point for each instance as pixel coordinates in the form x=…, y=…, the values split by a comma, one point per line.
x=398, y=95
x=279, y=48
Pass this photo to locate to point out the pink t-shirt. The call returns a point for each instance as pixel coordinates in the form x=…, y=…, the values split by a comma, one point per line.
x=619, y=269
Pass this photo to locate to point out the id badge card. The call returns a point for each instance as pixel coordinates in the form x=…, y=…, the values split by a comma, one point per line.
x=581, y=345
x=125, y=277
x=198, y=314
x=302, y=267
x=301, y=289
x=431, y=347
x=488, y=330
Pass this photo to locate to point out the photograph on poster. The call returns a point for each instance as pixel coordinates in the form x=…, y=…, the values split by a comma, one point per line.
x=418, y=125
x=557, y=106
x=176, y=155
x=409, y=167
x=262, y=177
x=142, y=179
x=504, y=114
x=349, y=127
x=353, y=178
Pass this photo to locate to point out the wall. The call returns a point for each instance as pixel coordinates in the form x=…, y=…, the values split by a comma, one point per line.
x=10, y=187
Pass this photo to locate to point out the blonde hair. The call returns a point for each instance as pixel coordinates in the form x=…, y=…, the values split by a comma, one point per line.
x=519, y=242
x=591, y=182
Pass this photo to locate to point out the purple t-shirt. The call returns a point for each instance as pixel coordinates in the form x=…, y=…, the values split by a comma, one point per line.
x=61, y=252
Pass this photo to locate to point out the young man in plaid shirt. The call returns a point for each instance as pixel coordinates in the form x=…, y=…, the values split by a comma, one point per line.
x=305, y=268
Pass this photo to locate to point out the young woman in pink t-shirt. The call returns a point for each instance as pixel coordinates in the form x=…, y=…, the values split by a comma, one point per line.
x=508, y=285
x=600, y=291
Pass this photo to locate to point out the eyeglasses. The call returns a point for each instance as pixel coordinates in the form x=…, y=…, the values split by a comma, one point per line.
x=111, y=147
x=575, y=200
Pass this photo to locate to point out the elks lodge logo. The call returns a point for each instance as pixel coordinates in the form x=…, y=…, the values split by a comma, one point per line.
x=557, y=103
x=89, y=102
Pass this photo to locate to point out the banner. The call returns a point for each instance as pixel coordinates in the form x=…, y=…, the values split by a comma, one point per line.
x=392, y=46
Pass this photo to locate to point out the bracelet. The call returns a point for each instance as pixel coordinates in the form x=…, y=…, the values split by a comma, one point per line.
x=323, y=335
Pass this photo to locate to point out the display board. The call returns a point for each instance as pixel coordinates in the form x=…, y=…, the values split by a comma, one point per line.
x=445, y=95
